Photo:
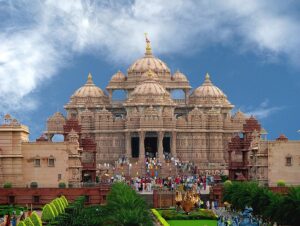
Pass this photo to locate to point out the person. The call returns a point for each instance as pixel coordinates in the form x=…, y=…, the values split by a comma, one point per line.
x=207, y=204
x=14, y=220
x=22, y=216
x=7, y=223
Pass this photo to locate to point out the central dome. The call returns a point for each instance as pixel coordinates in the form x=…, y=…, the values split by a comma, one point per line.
x=150, y=92
x=148, y=62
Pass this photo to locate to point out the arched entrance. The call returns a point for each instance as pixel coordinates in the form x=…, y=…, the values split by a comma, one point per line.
x=151, y=146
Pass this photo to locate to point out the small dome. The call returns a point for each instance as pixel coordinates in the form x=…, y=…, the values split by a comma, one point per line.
x=208, y=89
x=118, y=77
x=178, y=76
x=89, y=89
x=208, y=94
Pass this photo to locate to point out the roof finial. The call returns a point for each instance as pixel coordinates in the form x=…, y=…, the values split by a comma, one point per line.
x=148, y=46
x=207, y=77
x=90, y=79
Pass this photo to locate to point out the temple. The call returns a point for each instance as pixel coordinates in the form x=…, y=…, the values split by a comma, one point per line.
x=150, y=122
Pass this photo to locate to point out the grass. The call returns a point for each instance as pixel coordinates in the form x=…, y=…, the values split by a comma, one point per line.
x=192, y=222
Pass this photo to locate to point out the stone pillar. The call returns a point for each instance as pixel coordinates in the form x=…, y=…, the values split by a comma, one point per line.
x=110, y=92
x=142, y=145
x=173, y=146
x=128, y=144
x=160, y=145
x=186, y=92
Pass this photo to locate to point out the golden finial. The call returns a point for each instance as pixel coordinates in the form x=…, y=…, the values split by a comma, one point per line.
x=207, y=77
x=148, y=46
x=90, y=79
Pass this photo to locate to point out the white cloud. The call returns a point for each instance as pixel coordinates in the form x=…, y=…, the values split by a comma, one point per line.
x=263, y=110
x=38, y=38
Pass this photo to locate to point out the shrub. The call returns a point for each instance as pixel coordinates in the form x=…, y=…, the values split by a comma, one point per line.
x=62, y=202
x=57, y=206
x=54, y=209
x=62, y=185
x=28, y=222
x=125, y=207
x=227, y=183
x=21, y=223
x=7, y=185
x=35, y=219
x=171, y=214
x=64, y=199
x=47, y=213
x=33, y=185
x=160, y=218
x=281, y=183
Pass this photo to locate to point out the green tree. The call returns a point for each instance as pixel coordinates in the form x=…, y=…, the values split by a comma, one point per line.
x=291, y=207
x=36, y=220
x=124, y=207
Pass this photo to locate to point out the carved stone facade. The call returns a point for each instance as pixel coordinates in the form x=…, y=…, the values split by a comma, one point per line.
x=150, y=122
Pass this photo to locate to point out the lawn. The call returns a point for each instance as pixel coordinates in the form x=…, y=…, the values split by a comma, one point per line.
x=192, y=222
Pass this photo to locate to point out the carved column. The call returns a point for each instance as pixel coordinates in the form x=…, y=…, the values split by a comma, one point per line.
x=128, y=144
x=186, y=92
x=160, y=145
x=173, y=146
x=142, y=145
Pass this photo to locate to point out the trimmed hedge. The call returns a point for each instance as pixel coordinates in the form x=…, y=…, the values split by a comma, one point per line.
x=201, y=214
x=47, y=214
x=28, y=222
x=54, y=209
x=36, y=220
x=57, y=206
x=21, y=223
x=160, y=218
x=63, y=198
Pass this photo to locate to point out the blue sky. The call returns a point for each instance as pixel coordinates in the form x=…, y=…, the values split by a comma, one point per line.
x=250, y=48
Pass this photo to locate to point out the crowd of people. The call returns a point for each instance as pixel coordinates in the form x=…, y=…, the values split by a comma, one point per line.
x=12, y=219
x=146, y=184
